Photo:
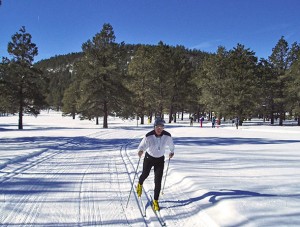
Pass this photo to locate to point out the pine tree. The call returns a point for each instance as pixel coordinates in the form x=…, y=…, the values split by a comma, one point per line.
x=265, y=89
x=140, y=80
x=162, y=73
x=293, y=86
x=211, y=80
x=280, y=60
x=242, y=80
x=23, y=80
x=181, y=87
x=71, y=95
x=100, y=76
x=228, y=82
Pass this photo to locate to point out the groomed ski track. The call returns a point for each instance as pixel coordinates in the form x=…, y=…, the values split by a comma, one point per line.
x=85, y=181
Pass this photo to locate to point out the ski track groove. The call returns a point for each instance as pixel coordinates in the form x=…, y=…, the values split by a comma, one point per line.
x=149, y=220
x=20, y=205
x=109, y=166
x=114, y=166
x=130, y=167
x=80, y=204
x=174, y=192
x=23, y=168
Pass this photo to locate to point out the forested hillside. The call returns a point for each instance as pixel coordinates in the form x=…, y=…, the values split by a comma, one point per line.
x=146, y=81
x=57, y=73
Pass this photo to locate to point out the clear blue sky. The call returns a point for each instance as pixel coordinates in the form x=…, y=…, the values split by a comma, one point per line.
x=62, y=26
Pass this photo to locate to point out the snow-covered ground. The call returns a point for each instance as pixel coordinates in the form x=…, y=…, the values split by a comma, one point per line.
x=64, y=172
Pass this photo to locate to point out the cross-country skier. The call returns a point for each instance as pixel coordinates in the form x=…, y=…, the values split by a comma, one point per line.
x=154, y=143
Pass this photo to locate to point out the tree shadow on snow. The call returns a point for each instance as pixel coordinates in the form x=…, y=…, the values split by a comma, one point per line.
x=215, y=141
x=65, y=143
x=35, y=146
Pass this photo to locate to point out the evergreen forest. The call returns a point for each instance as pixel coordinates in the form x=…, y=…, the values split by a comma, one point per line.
x=147, y=81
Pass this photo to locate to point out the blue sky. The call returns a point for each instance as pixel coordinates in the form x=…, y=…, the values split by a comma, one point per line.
x=62, y=26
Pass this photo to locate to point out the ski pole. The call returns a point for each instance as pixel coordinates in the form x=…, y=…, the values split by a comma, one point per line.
x=162, y=191
x=133, y=181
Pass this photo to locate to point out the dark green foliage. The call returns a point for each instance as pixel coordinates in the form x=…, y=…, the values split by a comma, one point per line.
x=6, y=96
x=21, y=80
x=281, y=60
x=109, y=78
x=100, y=75
x=182, y=90
x=211, y=79
x=293, y=88
x=140, y=81
x=242, y=77
x=233, y=83
x=58, y=75
x=265, y=89
x=160, y=78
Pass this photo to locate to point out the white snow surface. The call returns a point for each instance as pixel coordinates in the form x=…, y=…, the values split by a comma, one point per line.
x=63, y=172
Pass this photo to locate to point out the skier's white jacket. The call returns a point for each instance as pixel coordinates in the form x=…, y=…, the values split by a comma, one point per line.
x=156, y=145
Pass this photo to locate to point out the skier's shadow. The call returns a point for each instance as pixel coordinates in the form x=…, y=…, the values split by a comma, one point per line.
x=217, y=196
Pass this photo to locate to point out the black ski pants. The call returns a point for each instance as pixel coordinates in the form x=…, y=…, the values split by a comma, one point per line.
x=158, y=164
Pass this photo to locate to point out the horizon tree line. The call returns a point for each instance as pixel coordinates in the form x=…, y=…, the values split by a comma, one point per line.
x=109, y=78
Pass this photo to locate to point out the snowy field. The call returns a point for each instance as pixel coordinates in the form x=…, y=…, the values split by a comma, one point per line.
x=64, y=172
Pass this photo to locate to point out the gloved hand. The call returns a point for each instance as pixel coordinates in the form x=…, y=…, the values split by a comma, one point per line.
x=140, y=153
x=171, y=155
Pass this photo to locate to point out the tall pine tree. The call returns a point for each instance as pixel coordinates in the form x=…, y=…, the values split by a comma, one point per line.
x=140, y=81
x=100, y=79
x=24, y=81
x=242, y=81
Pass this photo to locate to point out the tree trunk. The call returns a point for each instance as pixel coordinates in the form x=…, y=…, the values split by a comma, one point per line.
x=280, y=121
x=21, y=118
x=170, y=114
x=272, y=118
x=150, y=116
x=105, y=111
x=21, y=108
x=281, y=118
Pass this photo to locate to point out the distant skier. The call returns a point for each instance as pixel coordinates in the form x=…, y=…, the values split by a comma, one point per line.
x=237, y=121
x=191, y=120
x=201, y=121
x=213, y=122
x=154, y=143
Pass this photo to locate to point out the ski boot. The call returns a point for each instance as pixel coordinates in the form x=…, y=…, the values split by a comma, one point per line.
x=155, y=205
x=139, y=189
